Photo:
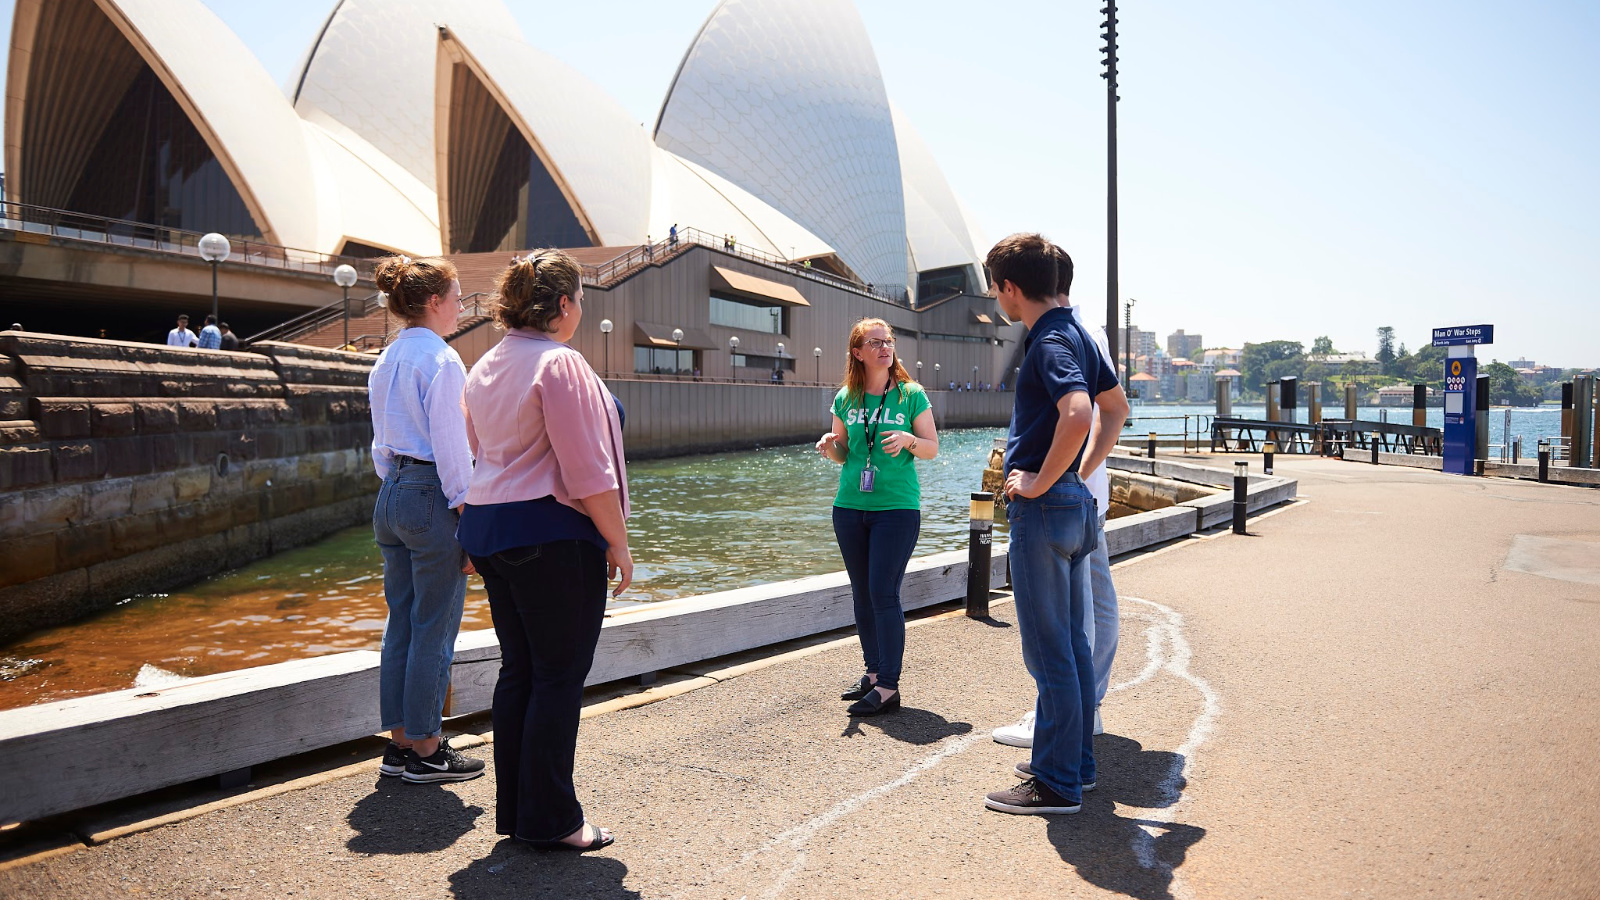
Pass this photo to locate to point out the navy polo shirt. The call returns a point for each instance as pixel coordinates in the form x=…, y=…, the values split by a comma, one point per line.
x=1059, y=358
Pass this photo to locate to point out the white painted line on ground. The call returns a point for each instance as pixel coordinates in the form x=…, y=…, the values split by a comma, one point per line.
x=1177, y=663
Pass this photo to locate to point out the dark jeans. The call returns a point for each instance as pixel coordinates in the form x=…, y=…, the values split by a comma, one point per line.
x=547, y=602
x=876, y=545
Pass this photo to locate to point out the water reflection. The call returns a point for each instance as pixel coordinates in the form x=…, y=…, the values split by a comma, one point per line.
x=700, y=524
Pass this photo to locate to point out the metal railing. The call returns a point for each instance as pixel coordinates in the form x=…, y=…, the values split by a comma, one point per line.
x=25, y=217
x=315, y=320
x=606, y=274
x=1195, y=427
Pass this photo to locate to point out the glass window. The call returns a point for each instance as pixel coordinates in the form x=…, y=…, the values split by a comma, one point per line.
x=664, y=361
x=733, y=312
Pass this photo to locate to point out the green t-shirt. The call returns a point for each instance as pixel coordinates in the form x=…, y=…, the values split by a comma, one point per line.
x=895, y=486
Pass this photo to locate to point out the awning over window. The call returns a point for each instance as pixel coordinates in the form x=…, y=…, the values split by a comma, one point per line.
x=982, y=319
x=649, y=334
x=750, y=285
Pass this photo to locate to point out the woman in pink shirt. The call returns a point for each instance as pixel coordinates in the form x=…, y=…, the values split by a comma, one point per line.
x=545, y=523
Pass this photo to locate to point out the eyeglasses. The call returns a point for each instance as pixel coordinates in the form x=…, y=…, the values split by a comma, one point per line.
x=878, y=343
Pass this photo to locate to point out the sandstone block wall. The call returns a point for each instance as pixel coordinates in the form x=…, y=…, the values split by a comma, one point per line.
x=131, y=468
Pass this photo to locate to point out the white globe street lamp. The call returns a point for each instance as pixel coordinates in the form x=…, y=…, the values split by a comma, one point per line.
x=605, y=329
x=677, y=352
x=733, y=351
x=817, y=352
x=778, y=363
x=214, y=249
x=344, y=277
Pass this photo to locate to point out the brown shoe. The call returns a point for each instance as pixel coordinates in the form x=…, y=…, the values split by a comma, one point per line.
x=1032, y=798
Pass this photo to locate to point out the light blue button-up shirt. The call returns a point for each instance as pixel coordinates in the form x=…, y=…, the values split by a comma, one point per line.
x=416, y=409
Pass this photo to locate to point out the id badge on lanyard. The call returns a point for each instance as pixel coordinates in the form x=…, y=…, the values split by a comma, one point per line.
x=869, y=472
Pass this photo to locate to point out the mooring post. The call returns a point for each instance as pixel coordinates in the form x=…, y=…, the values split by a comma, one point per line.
x=1350, y=401
x=1516, y=450
x=1152, y=445
x=1419, y=405
x=1241, y=487
x=1267, y=450
x=980, y=536
x=1544, y=461
x=1372, y=439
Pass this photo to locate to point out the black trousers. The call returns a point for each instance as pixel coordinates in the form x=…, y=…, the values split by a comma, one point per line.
x=547, y=602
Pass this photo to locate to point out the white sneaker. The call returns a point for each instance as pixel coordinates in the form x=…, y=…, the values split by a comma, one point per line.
x=1018, y=735
x=1098, y=728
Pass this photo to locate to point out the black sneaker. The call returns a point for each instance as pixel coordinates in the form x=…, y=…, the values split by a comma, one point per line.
x=1024, y=769
x=1031, y=798
x=394, y=761
x=444, y=765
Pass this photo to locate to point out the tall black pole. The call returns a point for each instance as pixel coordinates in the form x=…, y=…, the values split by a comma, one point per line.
x=1110, y=75
x=214, y=290
x=347, y=317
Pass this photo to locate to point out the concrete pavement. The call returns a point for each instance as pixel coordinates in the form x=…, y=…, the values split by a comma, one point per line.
x=1388, y=690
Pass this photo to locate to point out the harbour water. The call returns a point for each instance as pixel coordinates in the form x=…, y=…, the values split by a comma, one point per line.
x=1532, y=424
x=700, y=524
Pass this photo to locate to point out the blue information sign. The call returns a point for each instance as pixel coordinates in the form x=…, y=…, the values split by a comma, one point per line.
x=1463, y=334
x=1460, y=414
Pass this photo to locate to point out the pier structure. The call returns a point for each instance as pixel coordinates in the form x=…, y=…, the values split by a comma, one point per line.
x=1252, y=688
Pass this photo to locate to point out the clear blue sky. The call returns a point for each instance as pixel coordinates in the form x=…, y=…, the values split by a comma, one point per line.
x=1289, y=169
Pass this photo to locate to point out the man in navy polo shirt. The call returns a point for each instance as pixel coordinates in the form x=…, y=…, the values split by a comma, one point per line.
x=1054, y=525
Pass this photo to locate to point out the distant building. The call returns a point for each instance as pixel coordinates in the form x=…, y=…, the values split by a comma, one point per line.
x=1398, y=395
x=1523, y=364
x=1235, y=381
x=1222, y=356
x=1143, y=343
x=1185, y=346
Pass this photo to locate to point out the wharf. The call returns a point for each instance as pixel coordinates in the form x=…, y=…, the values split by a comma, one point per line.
x=1385, y=689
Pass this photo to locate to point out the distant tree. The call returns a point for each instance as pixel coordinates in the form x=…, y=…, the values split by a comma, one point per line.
x=1385, y=354
x=1323, y=346
x=1426, y=366
x=1257, y=362
x=1508, y=388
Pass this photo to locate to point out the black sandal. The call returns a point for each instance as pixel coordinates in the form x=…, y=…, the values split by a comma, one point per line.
x=872, y=705
x=862, y=688
x=601, y=839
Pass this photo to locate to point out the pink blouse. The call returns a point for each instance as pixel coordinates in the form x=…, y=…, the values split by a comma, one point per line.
x=541, y=423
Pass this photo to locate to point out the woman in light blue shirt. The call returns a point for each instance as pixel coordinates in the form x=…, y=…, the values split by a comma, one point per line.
x=419, y=448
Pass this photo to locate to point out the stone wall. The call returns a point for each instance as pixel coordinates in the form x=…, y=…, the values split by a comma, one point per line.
x=132, y=468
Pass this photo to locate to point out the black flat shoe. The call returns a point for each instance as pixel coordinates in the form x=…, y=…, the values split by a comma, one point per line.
x=601, y=839
x=862, y=688
x=871, y=705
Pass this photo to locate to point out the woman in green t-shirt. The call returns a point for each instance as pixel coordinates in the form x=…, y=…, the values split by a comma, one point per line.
x=882, y=423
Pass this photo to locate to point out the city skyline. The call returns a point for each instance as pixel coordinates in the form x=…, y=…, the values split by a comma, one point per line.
x=1285, y=172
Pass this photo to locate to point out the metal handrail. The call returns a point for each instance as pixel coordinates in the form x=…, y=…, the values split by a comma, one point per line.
x=64, y=223
x=660, y=251
x=305, y=323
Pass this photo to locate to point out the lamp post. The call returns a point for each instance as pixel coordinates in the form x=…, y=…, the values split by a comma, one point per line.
x=817, y=352
x=677, y=340
x=1109, y=34
x=605, y=329
x=936, y=382
x=214, y=249
x=733, y=351
x=344, y=277
x=777, y=364
x=974, y=377
x=919, y=371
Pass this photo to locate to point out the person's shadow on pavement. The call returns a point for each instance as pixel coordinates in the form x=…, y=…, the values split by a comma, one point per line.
x=911, y=725
x=409, y=818
x=515, y=872
x=1129, y=855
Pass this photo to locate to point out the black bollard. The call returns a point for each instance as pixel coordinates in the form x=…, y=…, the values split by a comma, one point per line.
x=1241, y=485
x=1152, y=446
x=980, y=536
x=1267, y=451
x=1544, y=461
x=1374, y=439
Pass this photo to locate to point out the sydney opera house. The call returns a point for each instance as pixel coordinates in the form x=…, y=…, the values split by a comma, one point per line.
x=801, y=197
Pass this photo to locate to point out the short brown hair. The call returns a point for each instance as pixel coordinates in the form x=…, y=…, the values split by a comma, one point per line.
x=1063, y=269
x=410, y=284
x=529, y=291
x=1026, y=261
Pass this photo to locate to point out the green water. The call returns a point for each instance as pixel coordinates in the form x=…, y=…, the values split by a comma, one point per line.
x=700, y=524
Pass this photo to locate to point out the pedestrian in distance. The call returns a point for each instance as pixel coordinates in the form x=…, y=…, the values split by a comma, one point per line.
x=882, y=424
x=182, y=336
x=672, y=235
x=419, y=449
x=546, y=525
x=1110, y=411
x=210, y=335
x=1054, y=527
x=230, y=341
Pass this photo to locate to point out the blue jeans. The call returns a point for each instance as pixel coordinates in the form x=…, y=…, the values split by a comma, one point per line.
x=1103, y=639
x=1052, y=537
x=876, y=545
x=425, y=589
